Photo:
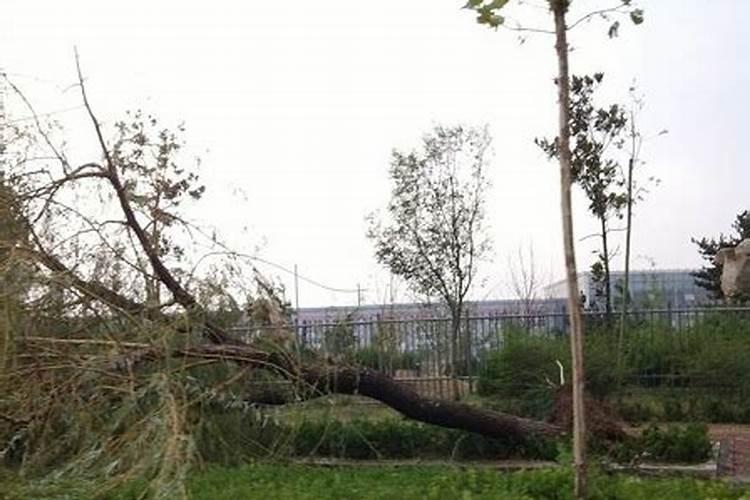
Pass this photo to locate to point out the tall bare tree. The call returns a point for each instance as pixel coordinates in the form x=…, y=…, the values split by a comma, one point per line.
x=526, y=282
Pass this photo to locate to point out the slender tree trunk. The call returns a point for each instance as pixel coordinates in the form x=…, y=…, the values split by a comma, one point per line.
x=455, y=336
x=559, y=8
x=607, y=276
x=626, y=280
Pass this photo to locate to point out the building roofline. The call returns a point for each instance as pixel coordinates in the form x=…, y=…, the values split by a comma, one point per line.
x=410, y=305
x=631, y=272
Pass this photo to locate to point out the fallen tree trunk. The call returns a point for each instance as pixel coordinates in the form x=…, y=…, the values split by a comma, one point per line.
x=322, y=379
x=351, y=380
x=370, y=383
x=317, y=379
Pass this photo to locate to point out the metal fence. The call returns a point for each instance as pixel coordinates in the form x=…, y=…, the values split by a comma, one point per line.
x=426, y=351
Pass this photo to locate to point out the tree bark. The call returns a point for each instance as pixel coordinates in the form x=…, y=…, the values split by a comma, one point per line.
x=559, y=8
x=454, y=350
x=626, y=279
x=318, y=379
x=607, y=276
x=329, y=379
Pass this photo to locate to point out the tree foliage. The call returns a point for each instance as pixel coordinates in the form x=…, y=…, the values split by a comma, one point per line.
x=434, y=233
x=597, y=133
x=709, y=276
x=157, y=182
x=107, y=383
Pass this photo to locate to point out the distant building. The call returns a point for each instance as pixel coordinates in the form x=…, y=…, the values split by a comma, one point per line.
x=648, y=289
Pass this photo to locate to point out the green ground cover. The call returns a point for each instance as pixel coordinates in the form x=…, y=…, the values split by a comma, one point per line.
x=291, y=482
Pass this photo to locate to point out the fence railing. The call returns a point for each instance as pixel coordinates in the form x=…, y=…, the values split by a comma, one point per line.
x=430, y=348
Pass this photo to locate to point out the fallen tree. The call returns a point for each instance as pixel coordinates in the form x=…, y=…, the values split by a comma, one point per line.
x=177, y=344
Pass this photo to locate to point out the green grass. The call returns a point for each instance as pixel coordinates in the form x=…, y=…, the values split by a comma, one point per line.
x=298, y=482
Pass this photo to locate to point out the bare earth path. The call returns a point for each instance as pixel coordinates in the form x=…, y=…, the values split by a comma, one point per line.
x=734, y=457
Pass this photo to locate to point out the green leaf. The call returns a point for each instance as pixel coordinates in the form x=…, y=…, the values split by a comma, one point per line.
x=473, y=4
x=488, y=17
x=614, y=30
x=636, y=15
x=497, y=4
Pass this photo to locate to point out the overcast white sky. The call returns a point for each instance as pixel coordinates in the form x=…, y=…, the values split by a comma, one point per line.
x=295, y=106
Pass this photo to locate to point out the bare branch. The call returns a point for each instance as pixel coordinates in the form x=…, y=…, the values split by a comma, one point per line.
x=182, y=296
x=618, y=9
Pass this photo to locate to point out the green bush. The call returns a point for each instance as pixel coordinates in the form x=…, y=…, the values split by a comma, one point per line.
x=673, y=444
x=698, y=370
x=688, y=443
x=520, y=375
x=233, y=437
x=403, y=439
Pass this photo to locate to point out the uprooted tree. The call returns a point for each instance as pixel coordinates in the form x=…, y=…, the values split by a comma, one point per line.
x=115, y=341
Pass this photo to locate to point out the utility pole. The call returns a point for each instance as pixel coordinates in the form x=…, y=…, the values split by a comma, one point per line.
x=3, y=121
x=359, y=295
x=296, y=290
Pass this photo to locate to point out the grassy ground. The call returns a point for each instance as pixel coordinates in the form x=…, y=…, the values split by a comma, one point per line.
x=298, y=482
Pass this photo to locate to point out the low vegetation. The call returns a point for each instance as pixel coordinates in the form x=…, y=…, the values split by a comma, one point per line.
x=292, y=482
x=697, y=371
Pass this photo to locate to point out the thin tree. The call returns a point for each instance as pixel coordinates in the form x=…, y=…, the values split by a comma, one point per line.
x=435, y=233
x=525, y=281
x=634, y=193
x=489, y=14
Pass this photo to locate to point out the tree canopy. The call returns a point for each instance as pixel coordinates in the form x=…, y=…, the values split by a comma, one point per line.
x=709, y=276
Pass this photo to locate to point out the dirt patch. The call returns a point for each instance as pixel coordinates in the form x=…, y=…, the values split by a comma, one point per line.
x=734, y=450
x=601, y=420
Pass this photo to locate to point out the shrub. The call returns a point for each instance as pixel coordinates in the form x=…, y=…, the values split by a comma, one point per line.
x=688, y=443
x=521, y=377
x=402, y=439
x=697, y=370
x=522, y=372
x=673, y=444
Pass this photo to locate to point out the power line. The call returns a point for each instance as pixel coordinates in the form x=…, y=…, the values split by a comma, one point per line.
x=3, y=122
x=229, y=252
x=303, y=278
x=50, y=113
x=37, y=79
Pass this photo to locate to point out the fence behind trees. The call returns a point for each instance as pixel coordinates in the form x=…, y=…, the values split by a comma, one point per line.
x=661, y=351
